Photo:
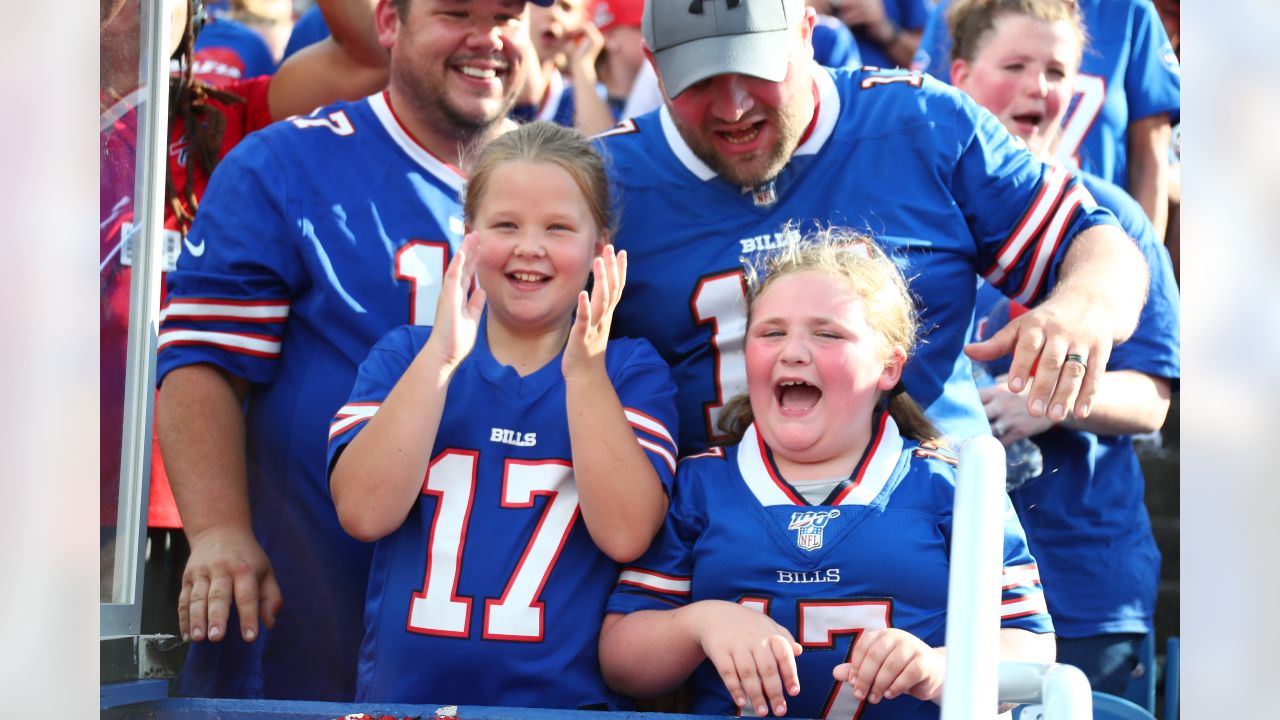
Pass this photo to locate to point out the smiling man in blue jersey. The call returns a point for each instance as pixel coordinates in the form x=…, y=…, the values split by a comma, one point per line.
x=317, y=236
x=756, y=144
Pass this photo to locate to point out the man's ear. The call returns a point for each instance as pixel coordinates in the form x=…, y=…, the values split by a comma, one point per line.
x=387, y=22
x=648, y=54
x=892, y=372
x=960, y=74
x=806, y=27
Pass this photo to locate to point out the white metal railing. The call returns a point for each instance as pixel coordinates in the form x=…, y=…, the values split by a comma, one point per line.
x=122, y=616
x=976, y=680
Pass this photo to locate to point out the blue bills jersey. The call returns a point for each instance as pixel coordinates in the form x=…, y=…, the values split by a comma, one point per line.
x=316, y=236
x=1085, y=516
x=938, y=181
x=557, y=105
x=492, y=592
x=738, y=531
x=1129, y=71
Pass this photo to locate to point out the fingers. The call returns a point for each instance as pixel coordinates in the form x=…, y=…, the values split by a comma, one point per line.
x=1027, y=343
x=882, y=666
x=622, y=271
x=245, y=591
x=996, y=346
x=197, y=601
x=583, y=318
x=221, y=595
x=601, y=288
x=270, y=599
x=184, y=609
x=784, y=654
x=475, y=304
x=1097, y=363
x=756, y=677
x=728, y=671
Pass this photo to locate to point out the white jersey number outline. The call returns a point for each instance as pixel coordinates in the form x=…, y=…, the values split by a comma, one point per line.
x=518, y=615
x=422, y=263
x=822, y=623
x=1090, y=94
x=721, y=301
x=337, y=122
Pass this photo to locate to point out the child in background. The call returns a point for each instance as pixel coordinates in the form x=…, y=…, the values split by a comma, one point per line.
x=1085, y=517
x=506, y=457
x=826, y=528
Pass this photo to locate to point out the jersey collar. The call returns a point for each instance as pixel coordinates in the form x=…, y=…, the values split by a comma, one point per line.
x=868, y=479
x=443, y=171
x=827, y=110
x=552, y=98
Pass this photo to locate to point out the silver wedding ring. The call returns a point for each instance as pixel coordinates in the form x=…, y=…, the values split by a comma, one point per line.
x=1072, y=357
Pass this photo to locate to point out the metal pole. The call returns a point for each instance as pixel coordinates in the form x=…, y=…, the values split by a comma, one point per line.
x=144, y=311
x=973, y=592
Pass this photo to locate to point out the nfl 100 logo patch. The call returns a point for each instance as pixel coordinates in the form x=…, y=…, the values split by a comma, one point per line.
x=809, y=525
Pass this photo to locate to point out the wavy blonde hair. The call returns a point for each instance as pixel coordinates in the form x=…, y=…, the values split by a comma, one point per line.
x=864, y=268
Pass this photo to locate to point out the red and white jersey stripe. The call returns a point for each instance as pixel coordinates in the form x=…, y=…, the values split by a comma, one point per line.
x=653, y=436
x=216, y=309
x=351, y=415
x=649, y=580
x=267, y=346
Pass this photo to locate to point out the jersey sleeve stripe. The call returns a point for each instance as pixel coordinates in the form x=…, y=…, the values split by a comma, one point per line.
x=1021, y=576
x=657, y=449
x=649, y=424
x=350, y=415
x=1036, y=216
x=246, y=343
x=1031, y=604
x=1033, y=282
x=209, y=310
x=656, y=582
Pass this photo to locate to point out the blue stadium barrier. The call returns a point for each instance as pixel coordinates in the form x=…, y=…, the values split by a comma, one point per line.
x=1142, y=686
x=1112, y=707
x=1172, y=677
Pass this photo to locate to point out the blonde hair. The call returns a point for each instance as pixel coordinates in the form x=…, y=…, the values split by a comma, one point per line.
x=970, y=21
x=860, y=264
x=543, y=142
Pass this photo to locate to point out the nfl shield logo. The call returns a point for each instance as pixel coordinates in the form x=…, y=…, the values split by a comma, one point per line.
x=809, y=526
x=764, y=194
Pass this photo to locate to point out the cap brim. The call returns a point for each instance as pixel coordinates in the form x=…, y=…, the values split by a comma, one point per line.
x=543, y=3
x=762, y=54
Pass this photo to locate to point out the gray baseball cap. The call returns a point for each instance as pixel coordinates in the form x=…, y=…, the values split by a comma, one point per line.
x=697, y=39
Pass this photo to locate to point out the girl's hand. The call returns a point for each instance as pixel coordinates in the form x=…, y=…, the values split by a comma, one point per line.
x=755, y=656
x=589, y=336
x=887, y=663
x=457, y=317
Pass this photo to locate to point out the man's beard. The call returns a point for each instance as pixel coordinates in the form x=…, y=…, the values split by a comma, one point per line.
x=429, y=101
x=766, y=164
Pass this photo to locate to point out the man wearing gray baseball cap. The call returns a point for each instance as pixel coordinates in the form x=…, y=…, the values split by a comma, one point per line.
x=755, y=146
x=716, y=38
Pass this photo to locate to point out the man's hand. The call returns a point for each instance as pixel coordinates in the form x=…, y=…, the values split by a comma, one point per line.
x=227, y=564
x=1064, y=343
